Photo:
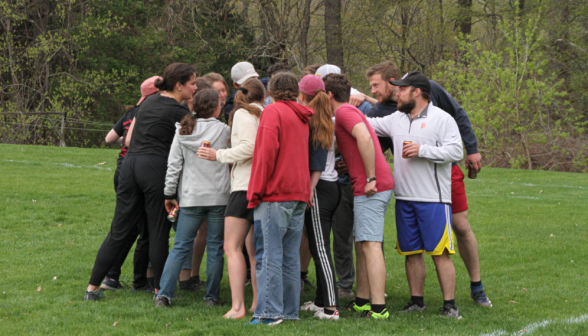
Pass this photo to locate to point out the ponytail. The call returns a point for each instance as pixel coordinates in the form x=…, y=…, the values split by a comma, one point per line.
x=188, y=123
x=252, y=91
x=321, y=123
x=205, y=103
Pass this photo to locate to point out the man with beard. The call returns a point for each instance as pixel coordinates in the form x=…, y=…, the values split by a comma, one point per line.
x=379, y=76
x=426, y=141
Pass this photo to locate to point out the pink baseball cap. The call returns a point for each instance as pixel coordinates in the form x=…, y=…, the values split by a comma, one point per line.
x=310, y=84
x=148, y=88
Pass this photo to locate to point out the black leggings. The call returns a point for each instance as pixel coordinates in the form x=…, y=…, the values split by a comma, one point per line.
x=318, y=221
x=140, y=193
x=141, y=257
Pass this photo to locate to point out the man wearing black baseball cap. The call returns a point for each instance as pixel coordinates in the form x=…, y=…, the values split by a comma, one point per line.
x=426, y=141
x=416, y=79
x=379, y=77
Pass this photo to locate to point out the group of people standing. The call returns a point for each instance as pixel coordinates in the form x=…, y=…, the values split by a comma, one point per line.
x=297, y=159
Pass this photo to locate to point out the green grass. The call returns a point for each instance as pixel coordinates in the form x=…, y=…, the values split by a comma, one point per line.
x=58, y=203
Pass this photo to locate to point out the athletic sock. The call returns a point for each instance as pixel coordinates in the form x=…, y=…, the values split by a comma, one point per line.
x=328, y=311
x=361, y=302
x=476, y=286
x=378, y=308
x=449, y=303
x=418, y=300
x=195, y=278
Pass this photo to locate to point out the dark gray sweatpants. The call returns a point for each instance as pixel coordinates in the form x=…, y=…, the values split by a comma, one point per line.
x=343, y=239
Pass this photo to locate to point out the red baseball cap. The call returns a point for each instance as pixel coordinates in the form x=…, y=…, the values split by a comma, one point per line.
x=148, y=88
x=310, y=84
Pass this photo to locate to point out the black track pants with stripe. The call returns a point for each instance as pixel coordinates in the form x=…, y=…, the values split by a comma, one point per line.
x=318, y=223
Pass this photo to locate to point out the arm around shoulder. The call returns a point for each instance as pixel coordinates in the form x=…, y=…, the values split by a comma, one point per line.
x=246, y=126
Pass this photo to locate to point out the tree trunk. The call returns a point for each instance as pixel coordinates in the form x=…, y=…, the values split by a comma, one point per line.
x=304, y=33
x=333, y=33
x=464, y=19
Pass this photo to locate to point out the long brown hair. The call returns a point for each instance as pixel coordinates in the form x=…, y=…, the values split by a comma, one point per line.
x=204, y=104
x=252, y=91
x=321, y=123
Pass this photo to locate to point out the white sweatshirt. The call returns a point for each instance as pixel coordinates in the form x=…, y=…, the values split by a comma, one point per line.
x=426, y=178
x=243, y=137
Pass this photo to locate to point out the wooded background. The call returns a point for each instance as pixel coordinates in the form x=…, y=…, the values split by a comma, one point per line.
x=519, y=68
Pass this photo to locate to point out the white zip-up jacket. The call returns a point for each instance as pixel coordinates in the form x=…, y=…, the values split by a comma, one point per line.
x=426, y=178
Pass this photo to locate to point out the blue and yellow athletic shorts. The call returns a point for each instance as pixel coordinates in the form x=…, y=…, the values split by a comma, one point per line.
x=423, y=227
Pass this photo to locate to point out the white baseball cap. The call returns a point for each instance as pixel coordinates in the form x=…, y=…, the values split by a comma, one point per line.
x=327, y=69
x=242, y=71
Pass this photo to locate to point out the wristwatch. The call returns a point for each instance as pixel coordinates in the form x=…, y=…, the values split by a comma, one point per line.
x=370, y=179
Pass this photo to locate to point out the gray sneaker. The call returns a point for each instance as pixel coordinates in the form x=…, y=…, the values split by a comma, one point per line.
x=450, y=311
x=346, y=293
x=412, y=307
x=162, y=301
x=212, y=302
x=481, y=299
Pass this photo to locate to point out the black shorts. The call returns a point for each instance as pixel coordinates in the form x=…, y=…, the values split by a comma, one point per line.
x=237, y=206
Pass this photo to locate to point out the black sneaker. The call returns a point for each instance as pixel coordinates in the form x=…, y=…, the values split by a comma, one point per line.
x=112, y=284
x=412, y=307
x=188, y=285
x=450, y=311
x=93, y=296
x=146, y=289
x=162, y=301
x=198, y=284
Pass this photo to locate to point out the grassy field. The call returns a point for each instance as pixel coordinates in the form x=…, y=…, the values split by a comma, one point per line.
x=532, y=230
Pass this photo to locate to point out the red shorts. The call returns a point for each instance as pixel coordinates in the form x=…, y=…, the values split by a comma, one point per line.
x=459, y=201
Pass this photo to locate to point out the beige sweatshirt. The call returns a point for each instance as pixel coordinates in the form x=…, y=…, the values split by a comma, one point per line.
x=243, y=137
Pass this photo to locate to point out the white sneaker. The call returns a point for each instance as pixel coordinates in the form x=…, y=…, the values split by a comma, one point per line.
x=321, y=315
x=310, y=306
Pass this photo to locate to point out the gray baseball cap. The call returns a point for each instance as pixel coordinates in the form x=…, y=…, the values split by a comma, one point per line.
x=242, y=71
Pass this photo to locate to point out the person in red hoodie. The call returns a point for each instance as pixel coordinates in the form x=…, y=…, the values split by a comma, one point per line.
x=279, y=190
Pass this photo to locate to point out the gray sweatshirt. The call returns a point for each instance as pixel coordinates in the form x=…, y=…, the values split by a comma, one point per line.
x=192, y=180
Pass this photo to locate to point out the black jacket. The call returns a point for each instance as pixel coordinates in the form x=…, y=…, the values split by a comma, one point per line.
x=442, y=99
x=229, y=106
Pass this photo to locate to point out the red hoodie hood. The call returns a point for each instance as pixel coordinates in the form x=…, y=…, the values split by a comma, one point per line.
x=303, y=112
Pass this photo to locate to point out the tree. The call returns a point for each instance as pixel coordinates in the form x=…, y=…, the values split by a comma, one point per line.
x=334, y=33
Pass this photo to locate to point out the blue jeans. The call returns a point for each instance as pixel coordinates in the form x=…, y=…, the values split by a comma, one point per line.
x=278, y=230
x=189, y=222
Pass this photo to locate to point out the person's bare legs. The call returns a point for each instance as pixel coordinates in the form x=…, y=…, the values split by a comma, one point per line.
x=185, y=274
x=467, y=244
x=416, y=273
x=361, y=276
x=251, y=252
x=376, y=271
x=199, y=248
x=446, y=274
x=236, y=230
x=305, y=255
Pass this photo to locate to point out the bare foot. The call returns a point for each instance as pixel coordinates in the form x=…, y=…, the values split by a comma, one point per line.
x=235, y=314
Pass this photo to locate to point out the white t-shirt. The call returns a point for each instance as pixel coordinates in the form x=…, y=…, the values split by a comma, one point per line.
x=330, y=174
